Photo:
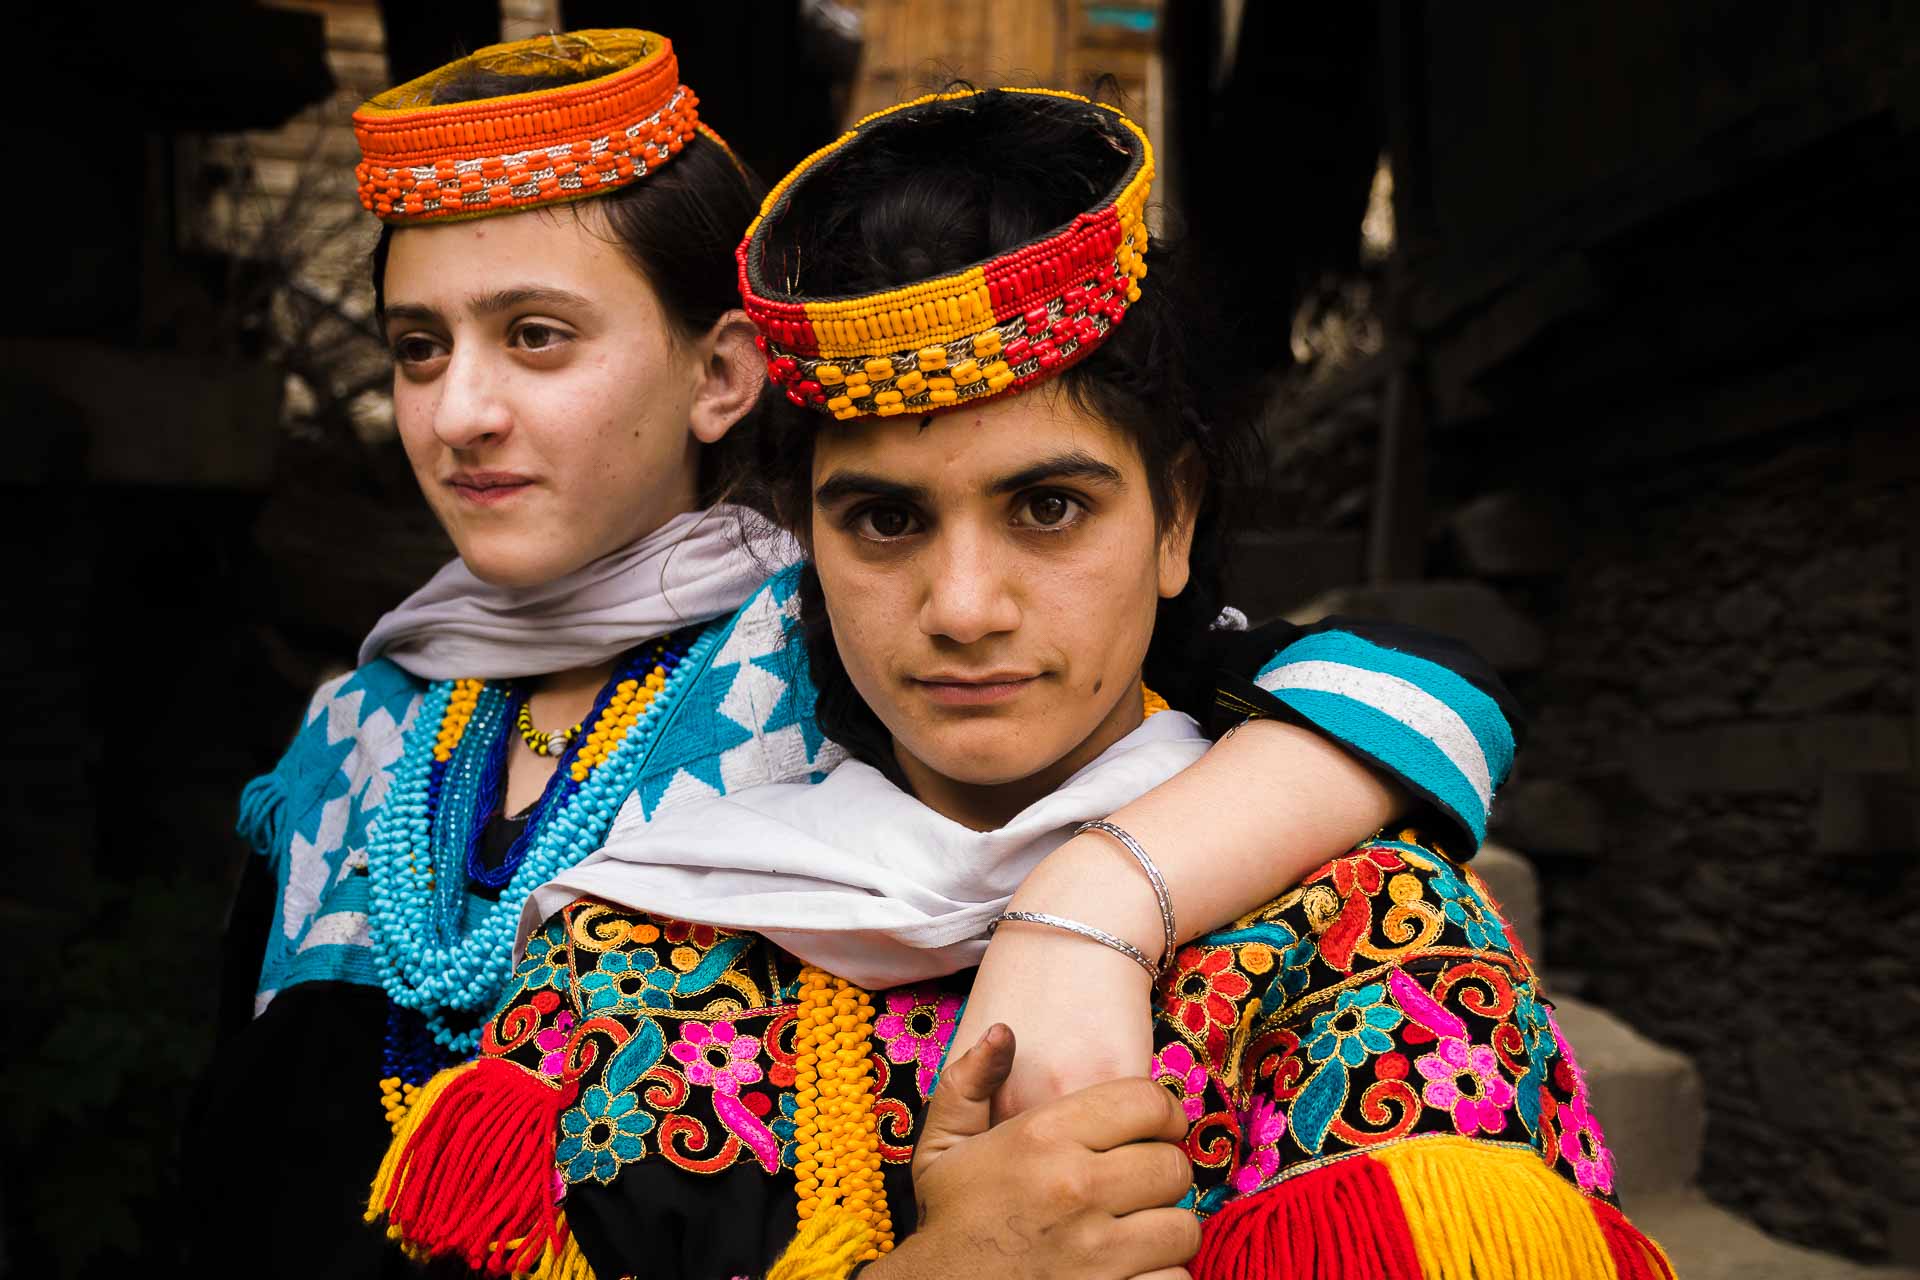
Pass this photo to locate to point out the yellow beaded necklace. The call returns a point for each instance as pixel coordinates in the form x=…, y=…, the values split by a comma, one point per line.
x=838, y=1139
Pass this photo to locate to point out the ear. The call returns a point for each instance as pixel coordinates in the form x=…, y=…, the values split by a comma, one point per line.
x=1176, y=543
x=730, y=373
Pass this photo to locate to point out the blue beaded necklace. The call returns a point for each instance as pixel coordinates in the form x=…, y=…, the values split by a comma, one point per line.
x=441, y=961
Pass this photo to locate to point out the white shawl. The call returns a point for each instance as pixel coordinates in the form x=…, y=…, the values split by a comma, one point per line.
x=853, y=874
x=696, y=566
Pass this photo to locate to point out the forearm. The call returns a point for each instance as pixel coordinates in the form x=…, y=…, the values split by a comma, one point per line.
x=1253, y=816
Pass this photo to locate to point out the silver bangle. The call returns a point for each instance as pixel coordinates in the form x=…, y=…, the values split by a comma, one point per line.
x=1170, y=936
x=1087, y=931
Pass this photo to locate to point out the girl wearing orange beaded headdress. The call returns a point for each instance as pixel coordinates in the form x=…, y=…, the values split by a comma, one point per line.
x=719, y=1049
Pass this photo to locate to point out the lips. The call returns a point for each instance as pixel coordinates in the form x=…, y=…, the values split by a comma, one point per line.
x=488, y=488
x=966, y=690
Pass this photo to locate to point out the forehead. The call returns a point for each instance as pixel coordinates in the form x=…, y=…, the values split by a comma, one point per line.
x=567, y=248
x=969, y=447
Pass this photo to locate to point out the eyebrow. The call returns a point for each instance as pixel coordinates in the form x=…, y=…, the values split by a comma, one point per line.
x=491, y=303
x=1076, y=464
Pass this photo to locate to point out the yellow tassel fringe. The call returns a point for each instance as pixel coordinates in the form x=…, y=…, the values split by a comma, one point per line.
x=1481, y=1212
x=827, y=1247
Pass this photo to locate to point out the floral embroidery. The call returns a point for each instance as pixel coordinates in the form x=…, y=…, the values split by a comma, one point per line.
x=1263, y=1125
x=553, y=1044
x=1182, y=1073
x=679, y=932
x=718, y=1057
x=1361, y=870
x=1356, y=1028
x=1381, y=1016
x=546, y=963
x=1585, y=1147
x=626, y=982
x=917, y=1027
x=600, y=1135
x=1203, y=991
x=1466, y=1081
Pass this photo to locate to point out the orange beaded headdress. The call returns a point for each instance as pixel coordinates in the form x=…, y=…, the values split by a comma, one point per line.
x=934, y=344
x=423, y=160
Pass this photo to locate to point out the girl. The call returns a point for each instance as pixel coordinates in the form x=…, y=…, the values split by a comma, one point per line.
x=1360, y=1071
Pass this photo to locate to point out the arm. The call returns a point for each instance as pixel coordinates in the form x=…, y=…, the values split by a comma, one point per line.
x=1360, y=734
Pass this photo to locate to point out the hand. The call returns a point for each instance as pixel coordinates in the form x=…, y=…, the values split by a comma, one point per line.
x=1096, y=1024
x=1079, y=1189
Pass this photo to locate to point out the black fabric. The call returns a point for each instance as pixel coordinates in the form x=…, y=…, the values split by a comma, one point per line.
x=283, y=1140
x=656, y=1220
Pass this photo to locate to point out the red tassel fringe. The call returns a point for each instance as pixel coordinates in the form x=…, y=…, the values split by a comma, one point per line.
x=1343, y=1221
x=478, y=1172
x=1634, y=1256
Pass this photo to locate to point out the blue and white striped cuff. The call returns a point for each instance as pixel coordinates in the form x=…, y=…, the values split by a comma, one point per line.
x=1444, y=737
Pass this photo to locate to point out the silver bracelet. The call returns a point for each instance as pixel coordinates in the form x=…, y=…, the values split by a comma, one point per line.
x=1169, y=934
x=1087, y=931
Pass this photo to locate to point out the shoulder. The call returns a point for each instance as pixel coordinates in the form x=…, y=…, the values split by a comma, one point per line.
x=746, y=714
x=1319, y=1024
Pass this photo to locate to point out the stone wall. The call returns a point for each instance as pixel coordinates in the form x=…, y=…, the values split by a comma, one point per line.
x=1721, y=761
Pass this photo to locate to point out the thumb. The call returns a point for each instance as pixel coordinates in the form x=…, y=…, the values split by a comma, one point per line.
x=962, y=1103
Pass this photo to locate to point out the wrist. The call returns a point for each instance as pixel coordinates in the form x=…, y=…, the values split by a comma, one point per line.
x=1094, y=881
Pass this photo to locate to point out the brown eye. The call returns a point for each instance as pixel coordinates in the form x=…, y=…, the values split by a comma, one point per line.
x=1050, y=509
x=882, y=524
x=1050, y=512
x=414, y=349
x=539, y=337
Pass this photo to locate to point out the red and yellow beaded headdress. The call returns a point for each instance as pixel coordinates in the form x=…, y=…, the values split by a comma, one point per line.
x=428, y=161
x=999, y=324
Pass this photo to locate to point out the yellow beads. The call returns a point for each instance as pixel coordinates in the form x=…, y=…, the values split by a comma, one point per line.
x=624, y=710
x=397, y=1099
x=836, y=1132
x=879, y=367
x=460, y=705
x=932, y=358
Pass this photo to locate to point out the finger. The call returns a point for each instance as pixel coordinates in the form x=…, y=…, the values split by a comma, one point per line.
x=961, y=1105
x=1112, y=1114
x=1166, y=1273
x=1141, y=1175
x=1157, y=1240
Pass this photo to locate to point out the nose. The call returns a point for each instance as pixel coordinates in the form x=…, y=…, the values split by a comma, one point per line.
x=472, y=409
x=968, y=593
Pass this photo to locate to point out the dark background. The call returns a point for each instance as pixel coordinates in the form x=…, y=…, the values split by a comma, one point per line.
x=1626, y=397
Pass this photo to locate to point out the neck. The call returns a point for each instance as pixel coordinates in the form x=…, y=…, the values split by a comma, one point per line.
x=990, y=806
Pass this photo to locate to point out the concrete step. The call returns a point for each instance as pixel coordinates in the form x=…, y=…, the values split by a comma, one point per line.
x=1648, y=1098
x=1707, y=1242
x=1510, y=877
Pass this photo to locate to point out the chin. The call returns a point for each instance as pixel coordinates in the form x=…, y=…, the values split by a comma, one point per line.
x=498, y=564
x=986, y=753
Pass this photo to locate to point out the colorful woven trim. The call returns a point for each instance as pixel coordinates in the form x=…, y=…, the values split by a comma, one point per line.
x=424, y=163
x=1002, y=323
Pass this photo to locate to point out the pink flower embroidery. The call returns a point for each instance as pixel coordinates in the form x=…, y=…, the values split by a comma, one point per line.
x=1177, y=1068
x=1581, y=1141
x=1465, y=1079
x=552, y=1044
x=1262, y=1126
x=718, y=1057
x=917, y=1026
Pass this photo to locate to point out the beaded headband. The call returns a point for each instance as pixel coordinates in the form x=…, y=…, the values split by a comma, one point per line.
x=422, y=162
x=935, y=344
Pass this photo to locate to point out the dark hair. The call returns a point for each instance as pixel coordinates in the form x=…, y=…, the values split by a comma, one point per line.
x=950, y=188
x=679, y=225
